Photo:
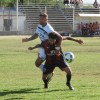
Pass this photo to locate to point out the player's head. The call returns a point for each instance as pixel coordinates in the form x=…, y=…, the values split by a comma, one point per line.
x=52, y=38
x=43, y=18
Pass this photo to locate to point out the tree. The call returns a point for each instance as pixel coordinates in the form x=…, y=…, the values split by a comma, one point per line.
x=7, y=3
x=10, y=2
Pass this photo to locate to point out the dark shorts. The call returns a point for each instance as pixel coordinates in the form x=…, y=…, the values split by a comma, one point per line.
x=50, y=67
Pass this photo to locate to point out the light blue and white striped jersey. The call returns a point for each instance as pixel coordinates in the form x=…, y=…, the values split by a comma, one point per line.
x=43, y=32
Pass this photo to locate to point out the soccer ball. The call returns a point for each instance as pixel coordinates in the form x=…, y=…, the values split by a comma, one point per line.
x=69, y=56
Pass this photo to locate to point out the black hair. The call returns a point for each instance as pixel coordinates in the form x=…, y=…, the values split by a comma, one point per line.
x=53, y=36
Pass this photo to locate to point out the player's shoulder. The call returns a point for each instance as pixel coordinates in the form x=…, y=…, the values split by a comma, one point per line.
x=48, y=25
x=39, y=26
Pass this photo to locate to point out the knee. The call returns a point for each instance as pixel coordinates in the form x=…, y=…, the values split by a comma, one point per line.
x=37, y=64
x=68, y=70
x=43, y=77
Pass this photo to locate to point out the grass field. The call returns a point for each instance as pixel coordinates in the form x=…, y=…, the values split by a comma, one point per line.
x=21, y=80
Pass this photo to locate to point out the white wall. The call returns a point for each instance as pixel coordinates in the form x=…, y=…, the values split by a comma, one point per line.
x=1, y=23
x=21, y=21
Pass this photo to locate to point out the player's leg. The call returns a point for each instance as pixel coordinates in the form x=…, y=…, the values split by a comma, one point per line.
x=39, y=64
x=47, y=74
x=45, y=80
x=41, y=58
x=68, y=77
x=65, y=67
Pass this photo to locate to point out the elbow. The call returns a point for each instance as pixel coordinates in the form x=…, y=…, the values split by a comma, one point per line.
x=61, y=38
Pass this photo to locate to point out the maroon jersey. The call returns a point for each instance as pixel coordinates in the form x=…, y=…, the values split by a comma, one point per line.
x=50, y=52
x=52, y=60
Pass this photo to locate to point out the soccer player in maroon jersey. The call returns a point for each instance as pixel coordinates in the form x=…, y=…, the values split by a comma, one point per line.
x=54, y=60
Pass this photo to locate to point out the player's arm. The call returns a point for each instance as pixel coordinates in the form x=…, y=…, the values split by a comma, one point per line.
x=73, y=39
x=36, y=46
x=60, y=38
x=30, y=38
x=59, y=43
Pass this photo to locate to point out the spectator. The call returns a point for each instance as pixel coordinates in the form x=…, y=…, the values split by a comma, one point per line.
x=88, y=29
x=21, y=2
x=66, y=2
x=79, y=30
x=81, y=3
x=90, y=26
x=76, y=3
x=71, y=3
x=97, y=25
x=94, y=27
x=96, y=4
x=97, y=28
x=84, y=30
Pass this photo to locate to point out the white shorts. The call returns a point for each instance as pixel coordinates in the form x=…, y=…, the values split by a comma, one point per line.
x=42, y=54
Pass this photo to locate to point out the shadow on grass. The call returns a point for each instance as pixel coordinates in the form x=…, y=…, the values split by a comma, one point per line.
x=14, y=99
x=55, y=90
x=21, y=91
x=30, y=90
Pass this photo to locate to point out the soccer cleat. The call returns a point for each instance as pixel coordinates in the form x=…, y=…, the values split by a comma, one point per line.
x=46, y=85
x=70, y=87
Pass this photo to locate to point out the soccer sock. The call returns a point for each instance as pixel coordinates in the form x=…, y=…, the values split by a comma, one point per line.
x=45, y=81
x=68, y=78
x=41, y=67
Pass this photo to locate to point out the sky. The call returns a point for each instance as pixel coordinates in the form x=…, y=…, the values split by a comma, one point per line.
x=90, y=1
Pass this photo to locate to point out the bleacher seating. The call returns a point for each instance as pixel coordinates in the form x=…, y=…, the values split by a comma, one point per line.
x=87, y=11
x=61, y=19
x=56, y=17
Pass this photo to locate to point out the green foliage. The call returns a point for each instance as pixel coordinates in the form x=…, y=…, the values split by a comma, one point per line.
x=7, y=3
x=10, y=3
x=21, y=80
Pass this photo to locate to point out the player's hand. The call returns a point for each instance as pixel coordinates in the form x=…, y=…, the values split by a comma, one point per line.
x=80, y=41
x=58, y=52
x=24, y=40
x=30, y=48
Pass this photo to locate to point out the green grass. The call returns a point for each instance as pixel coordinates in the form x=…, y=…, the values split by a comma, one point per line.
x=21, y=80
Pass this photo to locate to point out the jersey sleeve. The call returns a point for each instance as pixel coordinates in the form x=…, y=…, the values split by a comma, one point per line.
x=50, y=29
x=36, y=32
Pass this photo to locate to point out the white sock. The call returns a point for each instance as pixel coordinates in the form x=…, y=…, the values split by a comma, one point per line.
x=41, y=67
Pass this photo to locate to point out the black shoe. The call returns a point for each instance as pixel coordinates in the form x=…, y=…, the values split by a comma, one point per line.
x=46, y=85
x=70, y=87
